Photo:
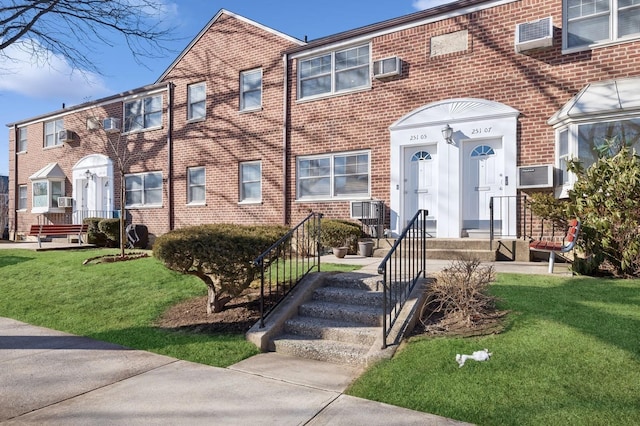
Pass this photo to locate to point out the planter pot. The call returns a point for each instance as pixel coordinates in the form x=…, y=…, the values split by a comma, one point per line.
x=365, y=248
x=340, y=252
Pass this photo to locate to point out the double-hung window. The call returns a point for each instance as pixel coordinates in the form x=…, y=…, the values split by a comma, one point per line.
x=334, y=72
x=588, y=22
x=251, y=182
x=22, y=140
x=22, y=197
x=51, y=132
x=197, y=101
x=143, y=190
x=143, y=113
x=251, y=90
x=45, y=195
x=197, y=184
x=344, y=175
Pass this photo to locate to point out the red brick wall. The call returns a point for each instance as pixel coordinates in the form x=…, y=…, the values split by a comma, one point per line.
x=537, y=84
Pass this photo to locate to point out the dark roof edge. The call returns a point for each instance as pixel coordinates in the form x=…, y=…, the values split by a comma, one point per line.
x=97, y=102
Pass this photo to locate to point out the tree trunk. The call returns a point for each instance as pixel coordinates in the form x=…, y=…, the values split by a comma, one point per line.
x=214, y=302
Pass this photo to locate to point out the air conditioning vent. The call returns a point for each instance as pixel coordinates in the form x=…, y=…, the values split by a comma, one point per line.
x=65, y=202
x=532, y=35
x=111, y=125
x=365, y=209
x=535, y=176
x=387, y=67
x=65, y=136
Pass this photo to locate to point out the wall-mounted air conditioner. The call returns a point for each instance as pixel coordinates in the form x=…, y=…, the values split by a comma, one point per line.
x=65, y=136
x=65, y=202
x=535, y=176
x=111, y=125
x=531, y=35
x=365, y=209
x=387, y=67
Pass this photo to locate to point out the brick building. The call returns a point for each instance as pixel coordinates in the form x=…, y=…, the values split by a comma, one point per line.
x=443, y=109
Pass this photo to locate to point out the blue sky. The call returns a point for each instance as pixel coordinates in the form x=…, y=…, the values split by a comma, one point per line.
x=27, y=91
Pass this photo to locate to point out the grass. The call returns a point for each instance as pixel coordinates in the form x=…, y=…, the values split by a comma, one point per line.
x=570, y=355
x=116, y=302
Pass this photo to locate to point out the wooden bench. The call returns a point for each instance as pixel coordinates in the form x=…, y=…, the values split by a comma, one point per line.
x=41, y=231
x=553, y=247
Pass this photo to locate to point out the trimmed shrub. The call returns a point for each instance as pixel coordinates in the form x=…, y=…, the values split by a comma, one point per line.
x=340, y=233
x=221, y=255
x=111, y=228
x=94, y=235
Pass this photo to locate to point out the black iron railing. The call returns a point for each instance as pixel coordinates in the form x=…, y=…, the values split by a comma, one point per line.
x=284, y=264
x=76, y=217
x=401, y=269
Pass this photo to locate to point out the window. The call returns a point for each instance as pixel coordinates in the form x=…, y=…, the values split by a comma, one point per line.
x=22, y=140
x=143, y=113
x=592, y=21
x=563, y=156
x=197, y=100
x=343, y=175
x=22, y=197
x=334, y=72
x=251, y=90
x=196, y=180
x=45, y=195
x=143, y=189
x=251, y=182
x=51, y=129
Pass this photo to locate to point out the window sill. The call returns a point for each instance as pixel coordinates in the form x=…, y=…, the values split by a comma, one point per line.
x=246, y=203
x=250, y=110
x=333, y=95
x=599, y=45
x=53, y=146
x=196, y=120
x=203, y=204
x=143, y=207
x=132, y=132
x=332, y=200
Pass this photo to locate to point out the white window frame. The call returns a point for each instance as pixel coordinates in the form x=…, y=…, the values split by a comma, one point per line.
x=613, y=22
x=22, y=140
x=196, y=100
x=52, y=129
x=143, y=115
x=22, y=197
x=192, y=185
x=54, y=188
x=244, y=90
x=333, y=72
x=245, y=180
x=144, y=190
x=332, y=174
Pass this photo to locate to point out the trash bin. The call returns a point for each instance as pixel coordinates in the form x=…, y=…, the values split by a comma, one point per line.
x=365, y=248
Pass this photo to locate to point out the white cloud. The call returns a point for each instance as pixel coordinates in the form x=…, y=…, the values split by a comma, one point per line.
x=428, y=4
x=27, y=69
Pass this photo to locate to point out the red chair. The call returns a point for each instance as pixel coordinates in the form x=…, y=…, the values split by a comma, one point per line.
x=553, y=247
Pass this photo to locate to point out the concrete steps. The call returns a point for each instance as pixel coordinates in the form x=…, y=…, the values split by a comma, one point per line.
x=454, y=248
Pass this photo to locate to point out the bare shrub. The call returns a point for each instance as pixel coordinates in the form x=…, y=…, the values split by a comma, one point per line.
x=458, y=298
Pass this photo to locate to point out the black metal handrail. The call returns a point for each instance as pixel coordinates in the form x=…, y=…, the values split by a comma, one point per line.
x=284, y=264
x=401, y=270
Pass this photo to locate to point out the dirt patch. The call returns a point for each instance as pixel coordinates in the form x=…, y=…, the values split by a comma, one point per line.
x=191, y=315
x=435, y=324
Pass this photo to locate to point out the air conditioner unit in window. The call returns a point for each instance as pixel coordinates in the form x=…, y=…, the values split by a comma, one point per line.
x=387, y=67
x=65, y=202
x=111, y=125
x=365, y=209
x=531, y=35
x=535, y=176
x=65, y=136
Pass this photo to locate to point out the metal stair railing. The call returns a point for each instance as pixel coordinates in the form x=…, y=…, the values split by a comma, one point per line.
x=401, y=269
x=283, y=265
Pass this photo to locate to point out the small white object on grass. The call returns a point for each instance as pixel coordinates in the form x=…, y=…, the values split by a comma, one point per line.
x=482, y=355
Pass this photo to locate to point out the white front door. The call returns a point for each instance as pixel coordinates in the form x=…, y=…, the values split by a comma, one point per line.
x=420, y=182
x=483, y=179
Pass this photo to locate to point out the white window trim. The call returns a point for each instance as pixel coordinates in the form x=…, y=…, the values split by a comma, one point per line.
x=253, y=108
x=190, y=202
x=333, y=91
x=242, y=199
x=190, y=118
x=49, y=208
x=144, y=205
x=613, y=29
x=331, y=196
x=56, y=131
x=26, y=198
x=142, y=99
x=19, y=148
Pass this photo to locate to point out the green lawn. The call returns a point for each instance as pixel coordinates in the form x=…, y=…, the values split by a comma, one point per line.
x=570, y=355
x=116, y=302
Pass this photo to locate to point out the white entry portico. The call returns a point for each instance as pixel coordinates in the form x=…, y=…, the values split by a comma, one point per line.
x=93, y=187
x=454, y=180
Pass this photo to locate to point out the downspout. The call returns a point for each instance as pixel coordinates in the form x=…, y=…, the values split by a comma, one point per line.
x=170, y=155
x=285, y=141
x=15, y=183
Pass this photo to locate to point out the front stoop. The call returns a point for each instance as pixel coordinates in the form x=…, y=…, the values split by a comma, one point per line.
x=334, y=317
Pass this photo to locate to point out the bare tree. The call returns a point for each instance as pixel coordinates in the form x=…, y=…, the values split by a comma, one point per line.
x=74, y=28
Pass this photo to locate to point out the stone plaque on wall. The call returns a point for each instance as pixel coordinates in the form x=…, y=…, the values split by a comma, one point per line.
x=449, y=43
